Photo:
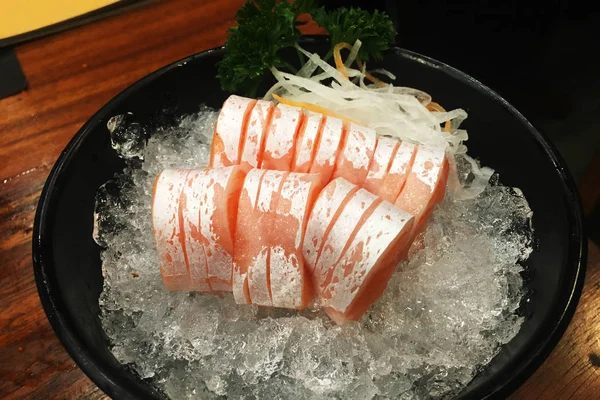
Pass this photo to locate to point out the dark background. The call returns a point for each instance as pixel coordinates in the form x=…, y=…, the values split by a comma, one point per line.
x=542, y=56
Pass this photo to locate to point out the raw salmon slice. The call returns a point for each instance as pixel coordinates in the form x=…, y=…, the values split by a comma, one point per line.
x=355, y=212
x=356, y=155
x=230, y=129
x=281, y=138
x=426, y=184
x=330, y=141
x=307, y=142
x=291, y=284
x=245, y=249
x=256, y=132
x=218, y=213
x=398, y=172
x=194, y=247
x=259, y=238
x=382, y=159
x=325, y=212
x=168, y=229
x=361, y=276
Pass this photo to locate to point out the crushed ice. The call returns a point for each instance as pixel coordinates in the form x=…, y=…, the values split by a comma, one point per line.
x=444, y=315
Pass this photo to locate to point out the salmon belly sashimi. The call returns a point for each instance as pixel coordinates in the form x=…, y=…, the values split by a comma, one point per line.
x=360, y=277
x=295, y=206
x=277, y=238
x=356, y=155
x=353, y=248
x=251, y=254
x=385, y=150
x=193, y=216
x=230, y=131
x=307, y=141
x=280, y=141
x=286, y=138
x=256, y=132
x=168, y=232
x=268, y=264
x=329, y=143
x=425, y=184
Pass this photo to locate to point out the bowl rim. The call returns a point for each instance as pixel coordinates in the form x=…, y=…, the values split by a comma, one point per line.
x=106, y=379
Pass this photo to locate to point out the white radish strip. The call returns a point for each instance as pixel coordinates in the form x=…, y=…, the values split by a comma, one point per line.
x=353, y=53
x=384, y=72
x=309, y=68
x=335, y=74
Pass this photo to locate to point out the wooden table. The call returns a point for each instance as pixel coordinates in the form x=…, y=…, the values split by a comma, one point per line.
x=71, y=75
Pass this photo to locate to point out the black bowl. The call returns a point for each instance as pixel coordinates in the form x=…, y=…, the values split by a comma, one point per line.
x=67, y=260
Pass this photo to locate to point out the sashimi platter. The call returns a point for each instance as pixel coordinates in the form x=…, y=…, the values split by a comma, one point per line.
x=329, y=237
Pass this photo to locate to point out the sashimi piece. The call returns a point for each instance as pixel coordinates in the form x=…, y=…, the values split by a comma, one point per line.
x=230, y=129
x=356, y=154
x=307, y=142
x=245, y=249
x=361, y=276
x=325, y=212
x=382, y=159
x=330, y=141
x=167, y=229
x=256, y=132
x=291, y=284
x=258, y=270
x=218, y=212
x=398, y=172
x=355, y=212
x=426, y=184
x=281, y=138
x=194, y=248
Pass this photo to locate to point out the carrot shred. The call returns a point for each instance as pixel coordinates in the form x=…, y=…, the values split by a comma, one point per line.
x=337, y=56
x=433, y=106
x=313, y=107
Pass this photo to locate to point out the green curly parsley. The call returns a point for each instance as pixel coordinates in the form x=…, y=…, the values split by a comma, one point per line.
x=266, y=27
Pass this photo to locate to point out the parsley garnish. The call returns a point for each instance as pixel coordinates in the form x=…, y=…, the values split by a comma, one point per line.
x=375, y=30
x=265, y=27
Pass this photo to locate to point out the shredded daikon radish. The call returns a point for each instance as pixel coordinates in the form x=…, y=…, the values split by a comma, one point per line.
x=309, y=68
x=392, y=111
x=384, y=72
x=353, y=54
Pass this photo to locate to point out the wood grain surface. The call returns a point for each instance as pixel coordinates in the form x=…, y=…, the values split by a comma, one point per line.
x=71, y=75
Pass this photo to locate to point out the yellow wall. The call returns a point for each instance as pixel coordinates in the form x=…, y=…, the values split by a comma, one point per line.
x=21, y=16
